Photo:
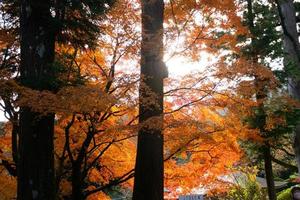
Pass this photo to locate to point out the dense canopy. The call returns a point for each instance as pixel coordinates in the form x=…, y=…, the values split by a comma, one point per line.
x=149, y=100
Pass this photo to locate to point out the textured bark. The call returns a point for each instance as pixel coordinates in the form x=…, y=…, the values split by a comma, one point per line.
x=148, y=182
x=36, y=161
x=287, y=15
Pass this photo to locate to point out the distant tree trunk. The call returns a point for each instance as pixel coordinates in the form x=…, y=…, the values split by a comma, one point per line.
x=269, y=172
x=148, y=182
x=36, y=160
x=287, y=15
x=261, y=95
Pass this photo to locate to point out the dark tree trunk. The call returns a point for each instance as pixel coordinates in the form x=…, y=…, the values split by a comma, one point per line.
x=77, y=172
x=77, y=193
x=287, y=15
x=36, y=160
x=36, y=165
x=269, y=173
x=148, y=182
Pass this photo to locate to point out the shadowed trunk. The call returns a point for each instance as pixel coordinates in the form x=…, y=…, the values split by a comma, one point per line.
x=77, y=192
x=36, y=164
x=287, y=15
x=148, y=182
x=36, y=160
x=269, y=172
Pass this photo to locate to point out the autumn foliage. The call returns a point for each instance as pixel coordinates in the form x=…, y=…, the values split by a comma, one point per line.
x=96, y=103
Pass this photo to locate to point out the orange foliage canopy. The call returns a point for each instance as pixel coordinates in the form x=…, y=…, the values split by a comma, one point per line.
x=202, y=124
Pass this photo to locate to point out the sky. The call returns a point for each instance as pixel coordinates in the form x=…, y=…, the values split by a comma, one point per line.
x=180, y=66
x=2, y=118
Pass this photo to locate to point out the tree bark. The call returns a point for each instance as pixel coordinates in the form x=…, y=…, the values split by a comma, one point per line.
x=36, y=160
x=269, y=173
x=148, y=182
x=287, y=15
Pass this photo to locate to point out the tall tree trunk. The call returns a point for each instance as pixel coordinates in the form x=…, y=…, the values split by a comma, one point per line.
x=148, y=182
x=261, y=95
x=36, y=160
x=287, y=15
x=269, y=172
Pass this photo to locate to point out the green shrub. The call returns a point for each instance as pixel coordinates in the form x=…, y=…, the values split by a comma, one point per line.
x=246, y=187
x=252, y=191
x=285, y=194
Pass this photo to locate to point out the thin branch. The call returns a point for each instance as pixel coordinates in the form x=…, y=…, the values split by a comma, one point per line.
x=127, y=176
x=67, y=138
x=284, y=164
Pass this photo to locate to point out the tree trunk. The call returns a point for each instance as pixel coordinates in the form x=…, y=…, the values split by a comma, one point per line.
x=36, y=160
x=77, y=193
x=287, y=15
x=269, y=173
x=36, y=164
x=261, y=95
x=148, y=182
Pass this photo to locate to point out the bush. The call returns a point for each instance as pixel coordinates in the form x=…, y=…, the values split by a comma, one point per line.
x=252, y=191
x=285, y=194
x=248, y=189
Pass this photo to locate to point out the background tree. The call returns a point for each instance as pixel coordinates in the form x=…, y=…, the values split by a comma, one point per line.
x=261, y=87
x=287, y=14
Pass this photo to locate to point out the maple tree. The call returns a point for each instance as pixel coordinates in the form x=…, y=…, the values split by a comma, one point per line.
x=93, y=91
x=39, y=30
x=44, y=107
